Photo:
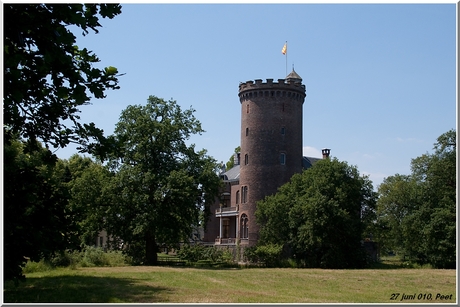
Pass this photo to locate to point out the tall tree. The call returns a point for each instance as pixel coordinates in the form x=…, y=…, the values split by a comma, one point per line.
x=162, y=185
x=399, y=197
x=87, y=185
x=36, y=217
x=318, y=215
x=47, y=77
x=419, y=211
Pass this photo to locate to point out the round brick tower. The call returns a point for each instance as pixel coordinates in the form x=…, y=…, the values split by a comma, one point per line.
x=271, y=143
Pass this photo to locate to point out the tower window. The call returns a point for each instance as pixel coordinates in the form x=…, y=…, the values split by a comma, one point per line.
x=283, y=130
x=283, y=158
x=244, y=226
x=246, y=159
x=247, y=131
x=244, y=194
x=247, y=108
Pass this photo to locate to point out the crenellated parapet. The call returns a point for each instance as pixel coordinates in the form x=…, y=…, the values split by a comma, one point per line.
x=291, y=89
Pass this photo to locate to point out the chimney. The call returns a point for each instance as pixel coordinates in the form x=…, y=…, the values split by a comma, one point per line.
x=326, y=153
x=236, y=158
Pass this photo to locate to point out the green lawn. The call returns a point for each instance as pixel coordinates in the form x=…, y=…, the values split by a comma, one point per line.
x=140, y=284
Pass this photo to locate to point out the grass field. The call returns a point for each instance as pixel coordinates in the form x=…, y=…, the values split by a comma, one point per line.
x=140, y=284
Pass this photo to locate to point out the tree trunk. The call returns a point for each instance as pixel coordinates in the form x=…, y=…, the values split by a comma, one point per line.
x=150, y=249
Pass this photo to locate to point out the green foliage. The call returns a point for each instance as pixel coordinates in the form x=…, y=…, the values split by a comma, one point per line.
x=47, y=76
x=40, y=266
x=416, y=214
x=270, y=255
x=94, y=256
x=192, y=253
x=46, y=79
x=231, y=161
x=318, y=215
x=87, y=186
x=162, y=187
x=66, y=258
x=204, y=254
x=36, y=218
x=89, y=256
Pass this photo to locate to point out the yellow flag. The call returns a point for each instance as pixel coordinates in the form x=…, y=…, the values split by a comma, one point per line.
x=284, y=50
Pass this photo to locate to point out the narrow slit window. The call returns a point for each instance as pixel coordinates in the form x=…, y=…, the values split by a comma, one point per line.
x=283, y=159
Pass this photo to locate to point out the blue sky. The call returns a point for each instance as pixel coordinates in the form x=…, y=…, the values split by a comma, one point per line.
x=380, y=78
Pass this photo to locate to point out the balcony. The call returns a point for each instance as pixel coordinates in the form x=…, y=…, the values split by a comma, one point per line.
x=225, y=241
x=227, y=211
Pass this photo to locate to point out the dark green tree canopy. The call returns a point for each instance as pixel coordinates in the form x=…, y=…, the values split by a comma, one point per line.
x=47, y=76
x=162, y=186
x=36, y=217
x=416, y=214
x=317, y=215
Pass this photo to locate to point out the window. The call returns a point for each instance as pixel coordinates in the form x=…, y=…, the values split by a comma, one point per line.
x=246, y=159
x=247, y=108
x=283, y=130
x=244, y=227
x=247, y=131
x=244, y=194
x=283, y=158
x=237, y=197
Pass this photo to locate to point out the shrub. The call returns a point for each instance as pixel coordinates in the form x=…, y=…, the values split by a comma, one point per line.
x=94, y=256
x=41, y=266
x=192, y=253
x=270, y=255
x=66, y=258
x=198, y=252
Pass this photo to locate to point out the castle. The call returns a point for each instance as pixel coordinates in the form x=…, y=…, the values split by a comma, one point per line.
x=271, y=153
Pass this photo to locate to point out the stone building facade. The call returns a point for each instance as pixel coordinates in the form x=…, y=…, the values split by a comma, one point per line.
x=271, y=153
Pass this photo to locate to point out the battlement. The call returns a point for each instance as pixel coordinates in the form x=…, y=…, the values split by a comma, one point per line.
x=292, y=89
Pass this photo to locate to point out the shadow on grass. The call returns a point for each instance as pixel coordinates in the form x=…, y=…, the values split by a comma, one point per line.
x=83, y=289
x=387, y=263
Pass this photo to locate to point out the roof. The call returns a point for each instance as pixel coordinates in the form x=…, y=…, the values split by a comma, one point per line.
x=293, y=75
x=231, y=174
x=308, y=162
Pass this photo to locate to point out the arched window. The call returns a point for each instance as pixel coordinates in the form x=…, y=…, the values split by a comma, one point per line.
x=244, y=195
x=244, y=233
x=237, y=197
x=247, y=131
x=246, y=159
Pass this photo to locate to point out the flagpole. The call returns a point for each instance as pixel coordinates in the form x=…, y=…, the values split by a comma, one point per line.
x=286, y=58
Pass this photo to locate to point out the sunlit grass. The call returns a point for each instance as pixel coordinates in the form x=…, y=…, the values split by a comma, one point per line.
x=140, y=284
